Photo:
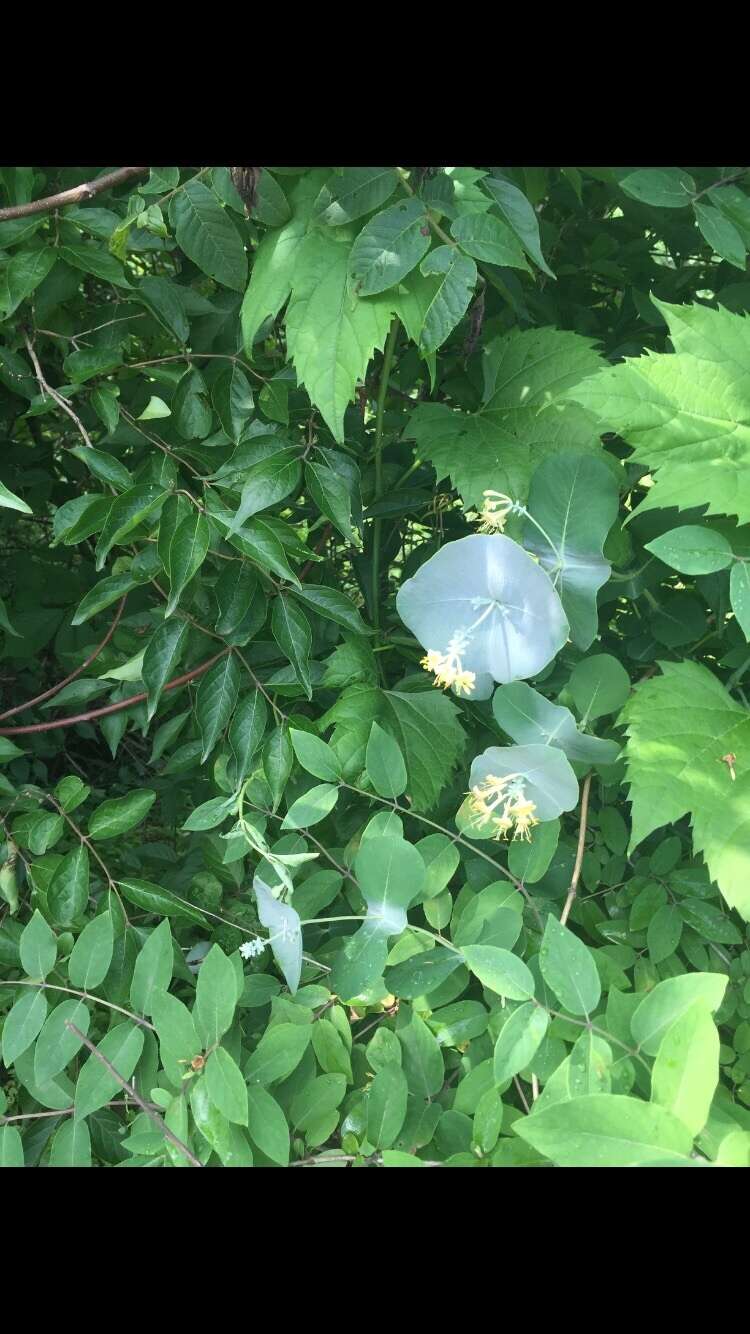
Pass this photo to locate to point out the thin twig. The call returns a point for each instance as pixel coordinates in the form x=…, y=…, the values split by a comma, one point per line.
x=85, y=995
x=579, y=851
x=61, y=1111
x=20, y=708
x=113, y=708
x=144, y=1106
x=79, y=192
x=58, y=398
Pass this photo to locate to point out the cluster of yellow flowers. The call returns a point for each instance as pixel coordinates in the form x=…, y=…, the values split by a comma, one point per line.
x=495, y=511
x=517, y=813
x=448, y=668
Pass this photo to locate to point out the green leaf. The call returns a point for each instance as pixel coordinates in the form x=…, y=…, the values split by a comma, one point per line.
x=606, y=1130
x=278, y=1053
x=333, y=606
x=57, y=1045
x=226, y=1087
x=11, y=502
x=315, y=756
x=686, y=1069
x=574, y=498
x=153, y=968
x=568, y=968
x=187, y=553
x=278, y=758
x=38, y=947
x=739, y=595
x=126, y=513
x=422, y=1058
x=26, y=270
x=122, y=1047
x=662, y=187
x=663, y=933
x=11, y=1148
x=192, y=412
x=680, y=724
x=457, y=276
x=227, y=1141
x=217, y=696
x=267, y=1124
x=333, y=498
x=275, y=260
x=519, y=1040
x=119, y=815
x=357, y=191
x=721, y=234
x=210, y=813
x=246, y=731
x=385, y=764
x=669, y=1000
x=232, y=398
x=523, y=420
x=684, y=412
x=692, y=550
x=23, y=1024
x=520, y=217
x=389, y=246
x=164, y=299
x=5, y=622
x=489, y=239
x=215, y=997
x=386, y=1106
x=68, y=891
x=291, y=630
x=500, y=971
x=431, y=740
x=598, y=685
x=71, y=1146
x=105, y=405
x=174, y=1025
x=154, y=899
x=102, y=595
x=162, y=654
x=331, y=334
x=90, y=257
x=91, y=955
x=271, y=205
x=207, y=235
x=312, y=807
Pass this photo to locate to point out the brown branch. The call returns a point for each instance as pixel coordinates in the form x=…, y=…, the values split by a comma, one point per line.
x=20, y=708
x=579, y=851
x=75, y=196
x=112, y=708
x=144, y=1106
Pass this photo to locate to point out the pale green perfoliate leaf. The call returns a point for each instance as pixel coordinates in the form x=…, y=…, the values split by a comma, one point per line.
x=530, y=718
x=283, y=923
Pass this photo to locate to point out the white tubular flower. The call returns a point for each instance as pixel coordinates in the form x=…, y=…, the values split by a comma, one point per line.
x=495, y=511
x=249, y=949
x=517, y=815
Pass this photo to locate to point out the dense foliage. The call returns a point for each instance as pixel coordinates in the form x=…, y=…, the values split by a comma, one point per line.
x=374, y=621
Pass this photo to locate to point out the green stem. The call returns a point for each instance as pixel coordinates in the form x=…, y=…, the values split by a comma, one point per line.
x=390, y=348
